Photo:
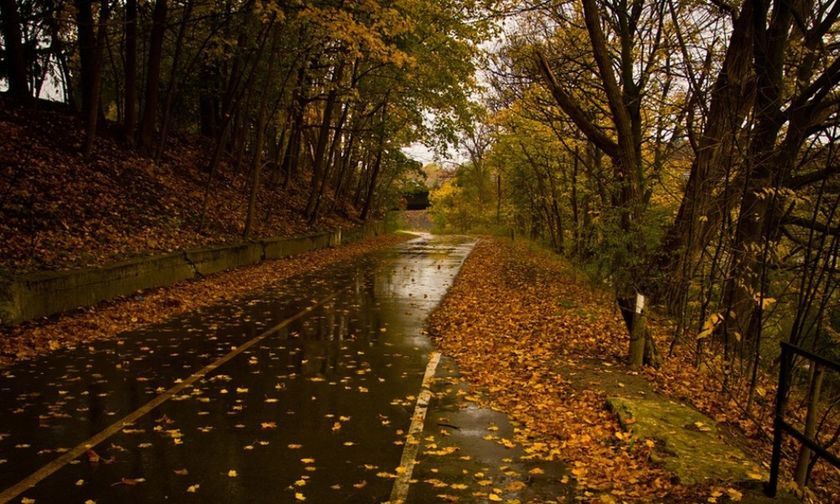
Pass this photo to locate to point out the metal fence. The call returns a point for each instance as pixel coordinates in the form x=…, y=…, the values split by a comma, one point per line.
x=781, y=427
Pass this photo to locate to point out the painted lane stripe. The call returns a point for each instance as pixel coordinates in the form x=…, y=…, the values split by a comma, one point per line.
x=412, y=442
x=68, y=456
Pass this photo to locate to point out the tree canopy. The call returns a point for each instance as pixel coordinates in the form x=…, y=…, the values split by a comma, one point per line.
x=682, y=151
x=327, y=90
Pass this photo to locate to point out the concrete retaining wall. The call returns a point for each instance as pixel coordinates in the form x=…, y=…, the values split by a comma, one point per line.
x=29, y=296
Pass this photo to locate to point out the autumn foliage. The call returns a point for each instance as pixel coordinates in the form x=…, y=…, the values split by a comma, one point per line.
x=542, y=341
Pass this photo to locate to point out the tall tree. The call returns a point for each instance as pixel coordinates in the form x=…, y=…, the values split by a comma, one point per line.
x=92, y=106
x=782, y=124
x=86, y=42
x=172, y=87
x=150, y=108
x=377, y=164
x=14, y=56
x=623, y=96
x=259, y=142
x=319, y=162
x=130, y=98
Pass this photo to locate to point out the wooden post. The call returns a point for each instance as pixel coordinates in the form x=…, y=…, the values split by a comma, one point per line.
x=637, y=333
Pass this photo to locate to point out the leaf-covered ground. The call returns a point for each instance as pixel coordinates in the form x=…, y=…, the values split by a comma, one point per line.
x=110, y=318
x=547, y=347
x=59, y=210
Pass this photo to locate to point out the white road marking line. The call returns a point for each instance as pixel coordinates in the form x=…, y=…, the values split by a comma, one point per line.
x=68, y=456
x=412, y=442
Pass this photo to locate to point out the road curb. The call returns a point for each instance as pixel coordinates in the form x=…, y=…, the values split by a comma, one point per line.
x=32, y=295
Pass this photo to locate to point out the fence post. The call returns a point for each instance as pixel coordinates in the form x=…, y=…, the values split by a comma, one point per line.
x=781, y=394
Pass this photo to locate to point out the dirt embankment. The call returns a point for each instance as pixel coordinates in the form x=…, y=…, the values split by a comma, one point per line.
x=59, y=210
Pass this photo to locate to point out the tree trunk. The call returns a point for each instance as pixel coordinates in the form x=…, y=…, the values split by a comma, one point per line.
x=241, y=134
x=343, y=176
x=234, y=94
x=318, y=164
x=498, y=198
x=574, y=200
x=150, y=109
x=92, y=111
x=291, y=157
x=15, y=59
x=767, y=167
x=256, y=171
x=730, y=102
x=333, y=159
x=377, y=165
x=208, y=106
x=130, y=117
x=623, y=101
x=364, y=170
x=87, y=42
x=172, y=87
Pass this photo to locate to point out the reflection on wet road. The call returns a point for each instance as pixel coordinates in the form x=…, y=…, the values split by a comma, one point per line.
x=304, y=394
x=315, y=410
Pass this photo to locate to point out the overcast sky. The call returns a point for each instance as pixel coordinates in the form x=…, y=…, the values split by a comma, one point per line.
x=420, y=152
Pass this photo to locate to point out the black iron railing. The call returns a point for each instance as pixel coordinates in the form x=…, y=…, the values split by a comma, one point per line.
x=780, y=426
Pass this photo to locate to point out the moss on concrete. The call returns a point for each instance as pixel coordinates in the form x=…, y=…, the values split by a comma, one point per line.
x=687, y=442
x=285, y=247
x=207, y=261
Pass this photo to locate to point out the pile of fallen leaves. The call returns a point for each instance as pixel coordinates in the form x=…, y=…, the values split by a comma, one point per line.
x=110, y=318
x=518, y=318
x=60, y=210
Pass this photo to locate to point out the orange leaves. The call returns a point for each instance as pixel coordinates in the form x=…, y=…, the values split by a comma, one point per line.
x=131, y=481
x=510, y=319
x=366, y=30
x=709, y=325
x=93, y=457
x=546, y=347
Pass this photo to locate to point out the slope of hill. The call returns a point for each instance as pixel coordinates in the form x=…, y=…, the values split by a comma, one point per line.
x=59, y=210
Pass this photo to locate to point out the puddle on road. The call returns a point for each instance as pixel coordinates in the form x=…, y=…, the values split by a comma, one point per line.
x=468, y=454
x=319, y=409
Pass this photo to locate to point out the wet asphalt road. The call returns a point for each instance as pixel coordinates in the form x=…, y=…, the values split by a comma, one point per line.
x=318, y=409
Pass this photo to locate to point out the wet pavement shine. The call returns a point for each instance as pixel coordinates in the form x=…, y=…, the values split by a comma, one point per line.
x=303, y=393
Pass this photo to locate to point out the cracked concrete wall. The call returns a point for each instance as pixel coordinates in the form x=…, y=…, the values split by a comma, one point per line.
x=30, y=296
